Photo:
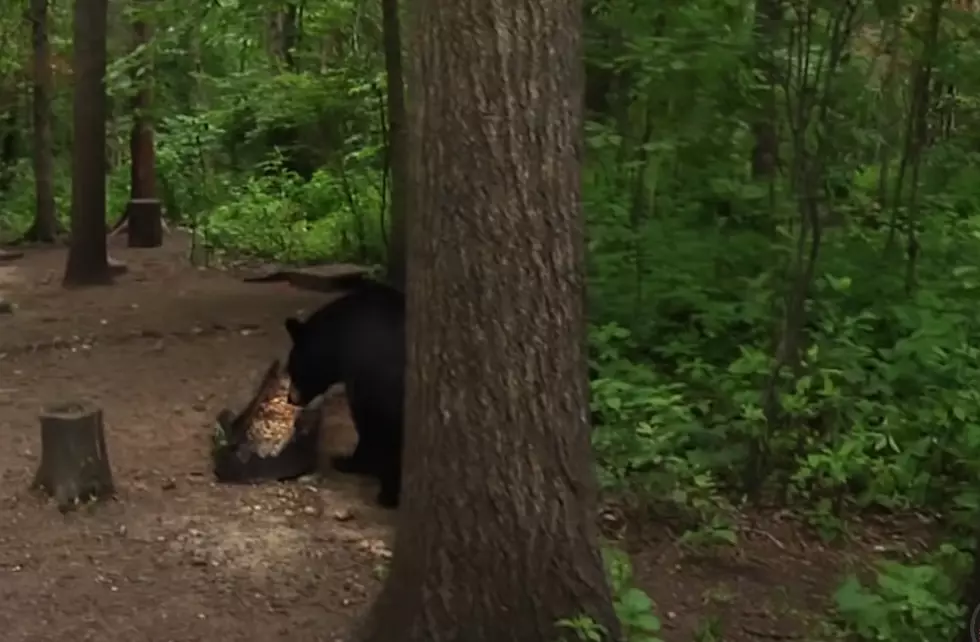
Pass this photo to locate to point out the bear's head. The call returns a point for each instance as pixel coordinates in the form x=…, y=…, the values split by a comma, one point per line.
x=308, y=364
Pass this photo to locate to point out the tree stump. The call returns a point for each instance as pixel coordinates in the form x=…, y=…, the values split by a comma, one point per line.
x=74, y=461
x=144, y=220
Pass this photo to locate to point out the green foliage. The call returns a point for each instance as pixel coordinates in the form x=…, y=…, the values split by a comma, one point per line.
x=651, y=442
x=917, y=601
x=634, y=608
x=690, y=274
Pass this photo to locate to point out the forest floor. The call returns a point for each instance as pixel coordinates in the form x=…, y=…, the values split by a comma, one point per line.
x=178, y=558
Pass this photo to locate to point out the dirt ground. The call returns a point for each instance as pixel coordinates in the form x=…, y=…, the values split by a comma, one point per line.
x=178, y=558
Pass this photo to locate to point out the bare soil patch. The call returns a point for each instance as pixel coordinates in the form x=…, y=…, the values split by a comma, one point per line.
x=178, y=558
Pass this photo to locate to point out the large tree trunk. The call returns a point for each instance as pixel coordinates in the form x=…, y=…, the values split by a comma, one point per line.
x=87, y=260
x=45, y=227
x=496, y=537
x=397, y=142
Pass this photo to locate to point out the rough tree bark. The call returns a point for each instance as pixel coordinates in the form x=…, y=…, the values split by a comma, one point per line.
x=74, y=461
x=45, y=228
x=87, y=261
x=397, y=142
x=144, y=215
x=497, y=537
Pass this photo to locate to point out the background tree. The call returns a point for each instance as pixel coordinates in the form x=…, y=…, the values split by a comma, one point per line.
x=398, y=160
x=497, y=536
x=144, y=214
x=45, y=227
x=87, y=260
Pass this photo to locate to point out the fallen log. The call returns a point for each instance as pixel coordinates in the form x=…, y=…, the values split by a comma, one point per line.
x=319, y=278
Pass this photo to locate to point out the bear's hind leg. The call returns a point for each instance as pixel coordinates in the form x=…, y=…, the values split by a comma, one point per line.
x=364, y=459
x=389, y=471
x=390, y=476
x=377, y=415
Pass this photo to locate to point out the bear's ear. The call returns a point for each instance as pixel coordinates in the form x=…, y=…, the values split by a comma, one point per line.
x=295, y=328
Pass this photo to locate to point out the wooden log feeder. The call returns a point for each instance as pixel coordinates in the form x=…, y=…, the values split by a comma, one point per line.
x=74, y=461
x=269, y=440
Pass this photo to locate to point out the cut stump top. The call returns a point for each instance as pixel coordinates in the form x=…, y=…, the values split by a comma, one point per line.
x=69, y=410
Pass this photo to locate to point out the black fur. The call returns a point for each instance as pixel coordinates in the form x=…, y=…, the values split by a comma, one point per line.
x=358, y=340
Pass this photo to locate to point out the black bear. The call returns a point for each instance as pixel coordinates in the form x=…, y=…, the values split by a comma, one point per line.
x=358, y=340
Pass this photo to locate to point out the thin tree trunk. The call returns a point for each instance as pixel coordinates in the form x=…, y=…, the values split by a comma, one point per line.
x=45, y=228
x=87, y=260
x=496, y=537
x=765, y=149
x=397, y=142
x=289, y=33
x=10, y=141
x=143, y=158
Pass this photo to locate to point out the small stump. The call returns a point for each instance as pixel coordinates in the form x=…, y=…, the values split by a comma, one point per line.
x=144, y=222
x=74, y=461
